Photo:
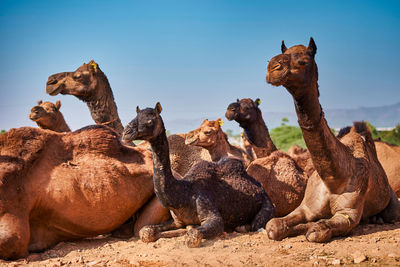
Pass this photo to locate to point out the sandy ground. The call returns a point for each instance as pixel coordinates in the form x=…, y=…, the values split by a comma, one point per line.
x=368, y=245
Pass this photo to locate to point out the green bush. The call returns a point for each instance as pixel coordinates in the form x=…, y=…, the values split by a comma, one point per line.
x=2, y=131
x=391, y=137
x=286, y=136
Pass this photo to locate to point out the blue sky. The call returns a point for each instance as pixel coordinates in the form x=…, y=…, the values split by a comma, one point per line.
x=195, y=57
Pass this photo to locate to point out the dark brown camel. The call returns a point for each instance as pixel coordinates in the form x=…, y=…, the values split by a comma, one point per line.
x=277, y=172
x=64, y=186
x=349, y=183
x=247, y=113
x=211, y=137
x=89, y=84
x=216, y=196
x=48, y=116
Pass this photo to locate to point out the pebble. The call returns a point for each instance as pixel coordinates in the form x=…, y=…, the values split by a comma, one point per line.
x=392, y=255
x=336, y=262
x=92, y=263
x=288, y=246
x=358, y=257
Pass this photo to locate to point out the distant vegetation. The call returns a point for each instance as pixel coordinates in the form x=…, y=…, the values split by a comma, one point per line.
x=286, y=136
x=391, y=137
x=2, y=131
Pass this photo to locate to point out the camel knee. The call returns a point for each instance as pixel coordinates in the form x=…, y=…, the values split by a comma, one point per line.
x=13, y=246
x=193, y=238
x=148, y=234
x=319, y=233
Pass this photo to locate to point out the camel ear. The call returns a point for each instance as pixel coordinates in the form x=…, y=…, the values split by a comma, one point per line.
x=312, y=48
x=257, y=102
x=237, y=100
x=283, y=47
x=40, y=102
x=137, y=109
x=158, y=107
x=58, y=104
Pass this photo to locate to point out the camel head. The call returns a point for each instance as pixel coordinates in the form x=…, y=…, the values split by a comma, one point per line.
x=146, y=126
x=295, y=68
x=243, y=111
x=80, y=83
x=206, y=135
x=45, y=114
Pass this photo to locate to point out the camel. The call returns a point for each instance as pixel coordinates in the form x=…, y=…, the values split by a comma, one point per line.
x=255, y=136
x=48, y=116
x=349, y=184
x=282, y=179
x=89, y=84
x=216, y=196
x=211, y=137
x=303, y=158
x=64, y=186
x=389, y=157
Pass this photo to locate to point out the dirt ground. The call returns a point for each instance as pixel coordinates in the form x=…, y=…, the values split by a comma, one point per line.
x=368, y=245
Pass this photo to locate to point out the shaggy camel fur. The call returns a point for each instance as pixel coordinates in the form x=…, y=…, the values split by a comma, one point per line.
x=48, y=116
x=211, y=137
x=89, y=84
x=349, y=183
x=303, y=158
x=217, y=196
x=278, y=173
x=65, y=186
x=255, y=136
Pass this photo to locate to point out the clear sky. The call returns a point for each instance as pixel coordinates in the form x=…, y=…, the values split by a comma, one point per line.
x=195, y=57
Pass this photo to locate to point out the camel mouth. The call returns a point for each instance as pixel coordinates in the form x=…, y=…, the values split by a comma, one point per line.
x=54, y=91
x=33, y=116
x=231, y=115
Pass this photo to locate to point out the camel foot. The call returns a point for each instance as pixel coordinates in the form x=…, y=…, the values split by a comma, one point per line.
x=193, y=238
x=148, y=234
x=319, y=233
x=276, y=229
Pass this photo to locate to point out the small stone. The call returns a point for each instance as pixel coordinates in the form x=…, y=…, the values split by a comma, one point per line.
x=92, y=263
x=336, y=262
x=392, y=255
x=288, y=246
x=358, y=257
x=316, y=263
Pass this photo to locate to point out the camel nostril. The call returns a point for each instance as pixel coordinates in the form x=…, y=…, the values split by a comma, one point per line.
x=52, y=81
x=276, y=66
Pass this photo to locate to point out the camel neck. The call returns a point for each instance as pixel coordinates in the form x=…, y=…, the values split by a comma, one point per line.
x=258, y=135
x=168, y=190
x=220, y=148
x=61, y=125
x=327, y=152
x=103, y=108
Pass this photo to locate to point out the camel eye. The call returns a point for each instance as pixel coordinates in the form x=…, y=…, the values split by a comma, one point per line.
x=207, y=132
x=302, y=62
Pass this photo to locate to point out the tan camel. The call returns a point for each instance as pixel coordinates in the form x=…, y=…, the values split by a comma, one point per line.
x=278, y=173
x=211, y=137
x=48, y=116
x=65, y=186
x=349, y=183
x=302, y=158
x=215, y=196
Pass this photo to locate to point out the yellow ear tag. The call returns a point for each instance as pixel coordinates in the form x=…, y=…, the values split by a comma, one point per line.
x=258, y=102
x=220, y=123
x=241, y=134
x=94, y=65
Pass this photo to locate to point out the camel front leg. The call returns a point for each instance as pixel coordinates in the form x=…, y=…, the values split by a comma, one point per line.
x=151, y=233
x=14, y=236
x=341, y=223
x=290, y=225
x=211, y=221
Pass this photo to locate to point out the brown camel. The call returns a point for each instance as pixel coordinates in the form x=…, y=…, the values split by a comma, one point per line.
x=211, y=137
x=389, y=157
x=64, y=186
x=216, y=196
x=256, y=136
x=48, y=116
x=89, y=84
x=349, y=183
x=277, y=172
